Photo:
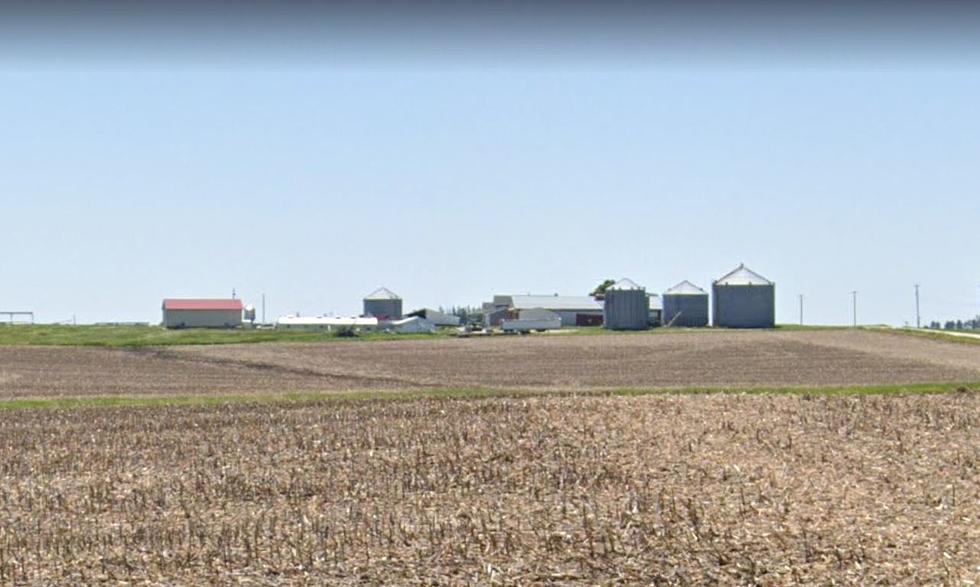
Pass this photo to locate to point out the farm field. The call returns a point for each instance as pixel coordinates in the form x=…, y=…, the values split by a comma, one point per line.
x=667, y=489
x=684, y=359
x=559, y=487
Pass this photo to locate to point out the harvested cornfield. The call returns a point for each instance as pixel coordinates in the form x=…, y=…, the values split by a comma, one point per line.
x=699, y=359
x=772, y=490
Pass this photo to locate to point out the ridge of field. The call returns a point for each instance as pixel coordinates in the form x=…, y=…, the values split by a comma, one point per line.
x=669, y=360
x=672, y=490
x=451, y=394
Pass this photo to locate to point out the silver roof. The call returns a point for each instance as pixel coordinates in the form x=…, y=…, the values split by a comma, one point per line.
x=625, y=283
x=382, y=293
x=685, y=288
x=567, y=303
x=742, y=275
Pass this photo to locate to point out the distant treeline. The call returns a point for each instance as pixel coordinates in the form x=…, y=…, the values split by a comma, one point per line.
x=971, y=324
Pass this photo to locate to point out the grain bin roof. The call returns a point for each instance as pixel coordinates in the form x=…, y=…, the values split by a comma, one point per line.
x=742, y=275
x=625, y=283
x=566, y=303
x=382, y=294
x=685, y=288
x=202, y=304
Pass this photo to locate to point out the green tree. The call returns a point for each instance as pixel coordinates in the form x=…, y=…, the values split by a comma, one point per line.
x=600, y=291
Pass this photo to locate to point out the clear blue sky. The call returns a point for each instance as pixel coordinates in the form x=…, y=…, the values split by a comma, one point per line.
x=448, y=181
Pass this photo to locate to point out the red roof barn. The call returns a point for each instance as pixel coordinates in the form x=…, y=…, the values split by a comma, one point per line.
x=202, y=313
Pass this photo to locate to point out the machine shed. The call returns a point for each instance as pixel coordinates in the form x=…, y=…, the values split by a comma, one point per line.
x=202, y=313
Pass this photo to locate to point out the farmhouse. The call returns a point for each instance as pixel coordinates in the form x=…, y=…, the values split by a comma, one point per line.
x=201, y=313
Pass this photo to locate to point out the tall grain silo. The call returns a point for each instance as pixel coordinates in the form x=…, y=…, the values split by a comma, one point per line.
x=685, y=304
x=744, y=299
x=626, y=306
x=383, y=304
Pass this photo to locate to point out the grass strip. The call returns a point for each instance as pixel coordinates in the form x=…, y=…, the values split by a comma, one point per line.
x=941, y=335
x=466, y=394
x=147, y=336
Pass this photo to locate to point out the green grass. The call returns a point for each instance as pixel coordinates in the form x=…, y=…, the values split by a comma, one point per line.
x=464, y=394
x=141, y=336
x=939, y=335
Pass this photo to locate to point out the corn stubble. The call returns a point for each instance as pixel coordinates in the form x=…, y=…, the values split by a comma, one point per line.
x=652, y=490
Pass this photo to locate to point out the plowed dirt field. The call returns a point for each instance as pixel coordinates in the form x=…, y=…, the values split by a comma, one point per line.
x=710, y=359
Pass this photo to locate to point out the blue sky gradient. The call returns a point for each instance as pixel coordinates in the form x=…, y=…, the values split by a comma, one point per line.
x=450, y=181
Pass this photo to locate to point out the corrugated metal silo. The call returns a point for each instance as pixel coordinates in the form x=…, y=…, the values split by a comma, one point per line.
x=744, y=299
x=626, y=307
x=685, y=304
x=383, y=304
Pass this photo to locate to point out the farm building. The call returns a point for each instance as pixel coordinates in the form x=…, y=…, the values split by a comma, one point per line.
x=383, y=304
x=685, y=304
x=494, y=315
x=626, y=306
x=656, y=309
x=436, y=317
x=200, y=313
x=573, y=310
x=325, y=323
x=744, y=299
x=411, y=325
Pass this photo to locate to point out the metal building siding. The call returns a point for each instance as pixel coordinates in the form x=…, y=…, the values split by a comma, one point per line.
x=202, y=318
x=626, y=309
x=690, y=310
x=744, y=306
x=386, y=309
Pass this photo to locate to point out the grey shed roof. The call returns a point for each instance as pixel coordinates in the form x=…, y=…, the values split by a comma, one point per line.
x=567, y=303
x=382, y=294
x=625, y=283
x=742, y=275
x=685, y=288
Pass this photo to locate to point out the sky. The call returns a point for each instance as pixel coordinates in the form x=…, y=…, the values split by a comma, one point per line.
x=313, y=155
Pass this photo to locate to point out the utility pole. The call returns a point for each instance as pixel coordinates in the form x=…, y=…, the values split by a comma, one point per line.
x=263, y=308
x=801, y=309
x=854, y=302
x=918, y=318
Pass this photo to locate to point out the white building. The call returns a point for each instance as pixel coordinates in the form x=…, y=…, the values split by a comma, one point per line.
x=573, y=310
x=326, y=323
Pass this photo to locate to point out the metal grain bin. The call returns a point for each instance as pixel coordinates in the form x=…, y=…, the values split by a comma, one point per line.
x=744, y=299
x=685, y=304
x=626, y=307
x=383, y=304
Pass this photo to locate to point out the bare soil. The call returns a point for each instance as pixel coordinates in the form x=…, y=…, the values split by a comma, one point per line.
x=708, y=359
x=655, y=490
